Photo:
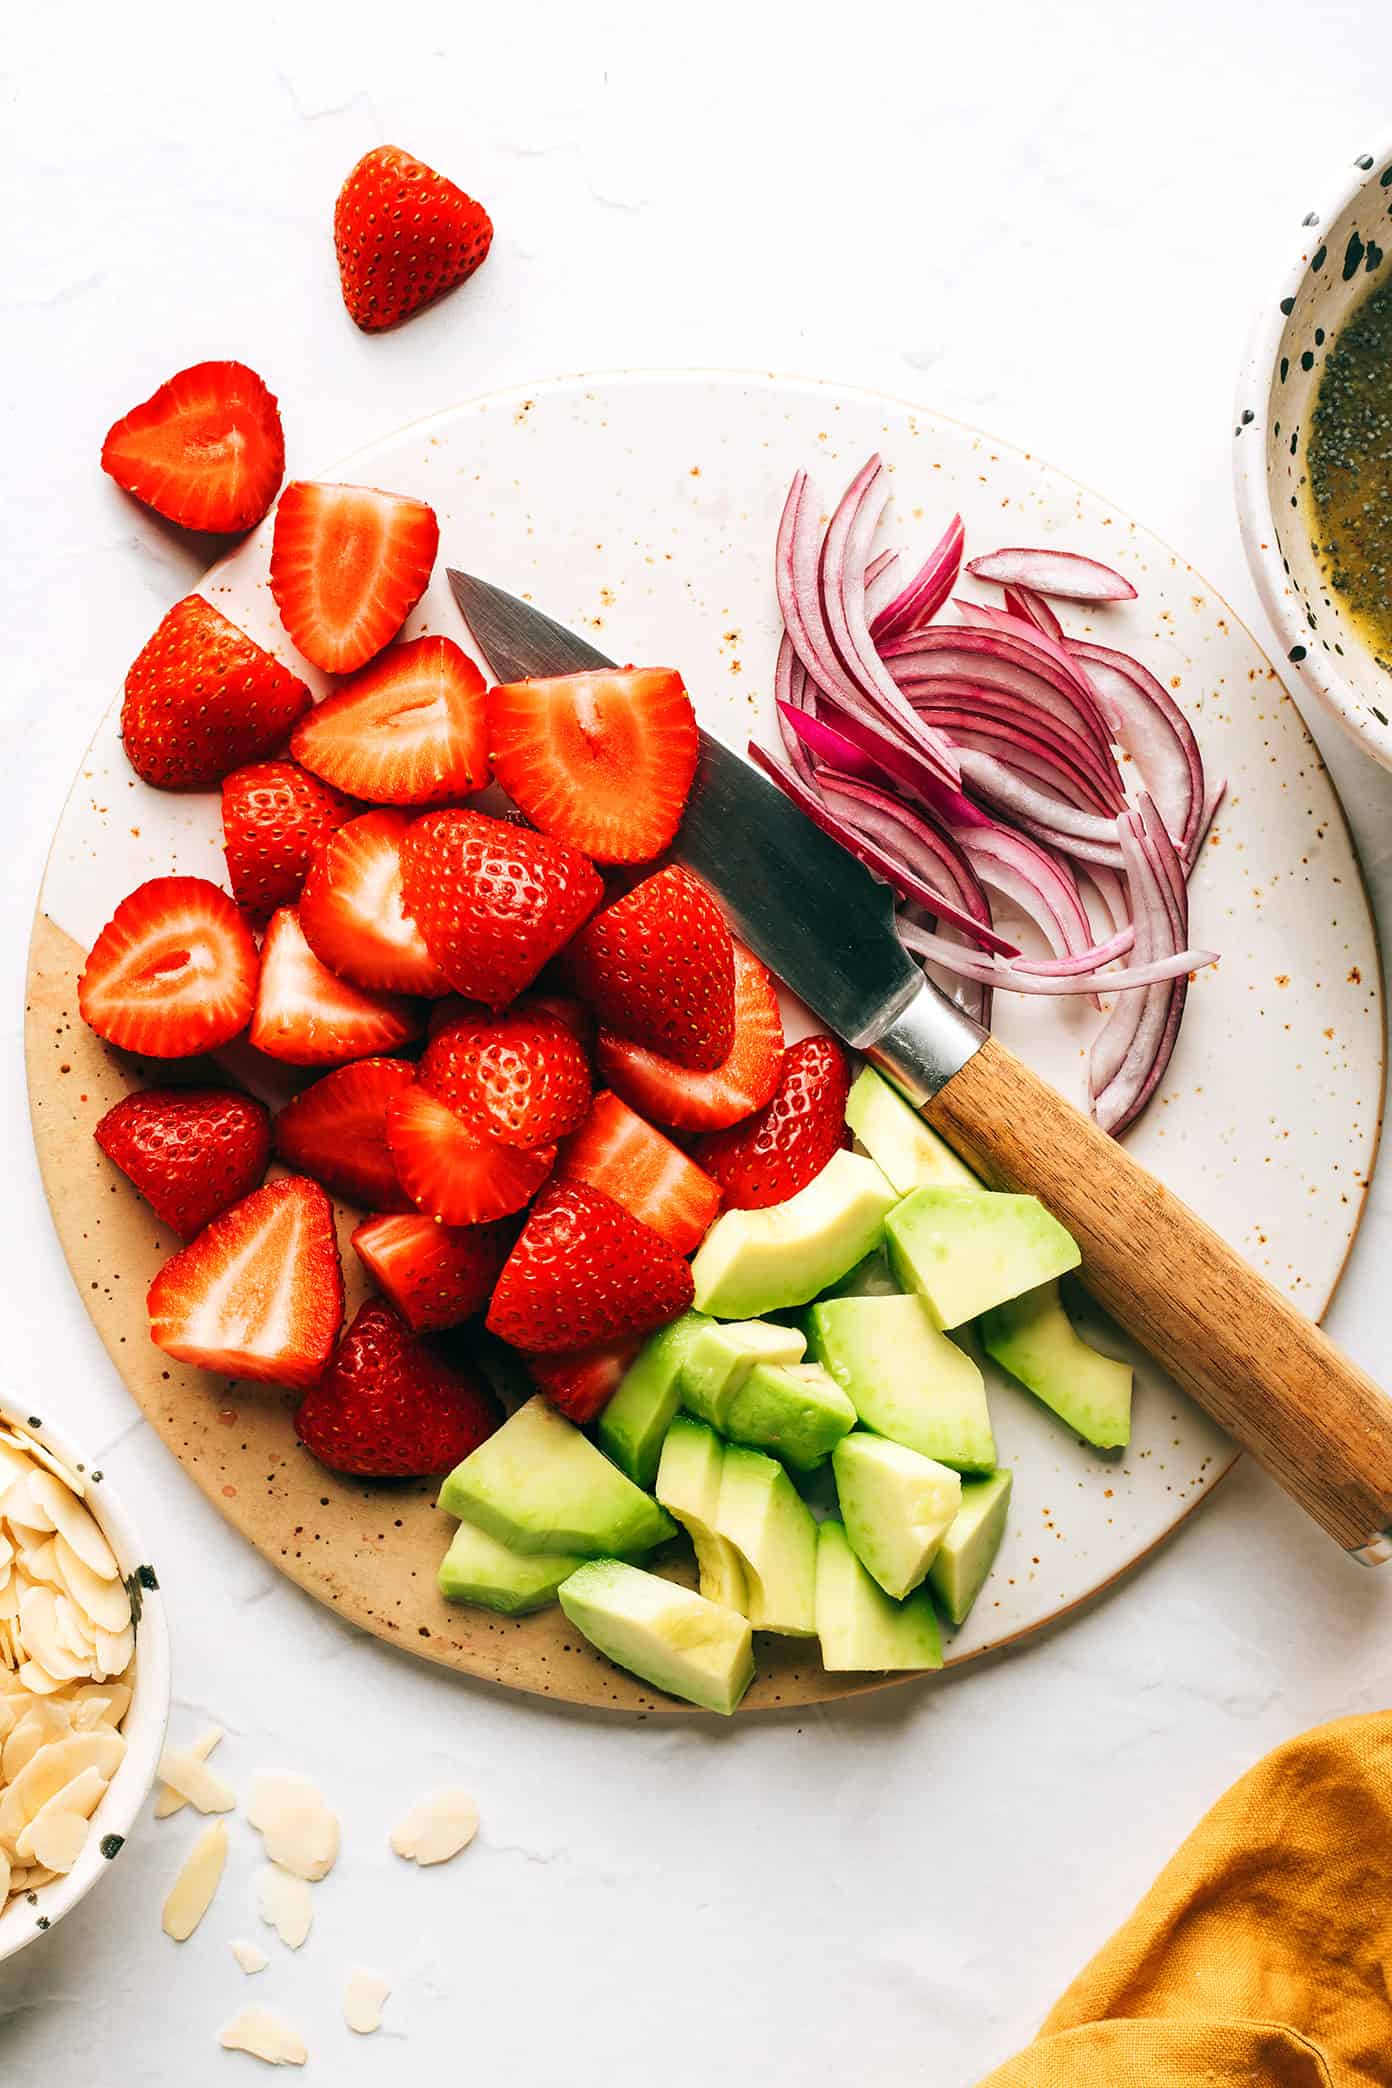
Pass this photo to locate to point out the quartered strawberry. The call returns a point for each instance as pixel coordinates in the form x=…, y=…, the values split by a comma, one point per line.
x=494, y=901
x=618, y=1152
x=573, y=1014
x=206, y=450
x=273, y=817
x=584, y=1272
x=352, y=914
x=581, y=1383
x=336, y=1130
x=435, y=1275
x=455, y=1172
x=404, y=236
x=688, y=1101
x=173, y=972
x=202, y=699
x=307, y=1016
x=348, y=565
x=392, y=1404
x=771, y=1155
x=658, y=966
x=407, y=729
x=189, y=1151
x=602, y=760
x=259, y=1293
x=520, y=1076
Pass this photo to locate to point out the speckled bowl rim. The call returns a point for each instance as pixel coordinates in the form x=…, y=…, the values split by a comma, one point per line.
x=31, y=1916
x=1318, y=671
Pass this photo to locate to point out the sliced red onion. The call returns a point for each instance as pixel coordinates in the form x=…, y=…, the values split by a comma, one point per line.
x=791, y=694
x=1042, y=889
x=878, y=566
x=1213, y=798
x=920, y=601
x=1032, y=607
x=995, y=779
x=1091, y=959
x=1152, y=728
x=994, y=658
x=932, y=855
x=1076, y=773
x=1111, y=891
x=1138, y=978
x=850, y=741
x=1063, y=573
x=1156, y=875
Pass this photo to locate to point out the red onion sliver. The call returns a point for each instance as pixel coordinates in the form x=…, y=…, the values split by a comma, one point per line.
x=997, y=779
x=929, y=588
x=1062, y=573
x=1152, y=728
x=1143, y=979
x=886, y=755
x=933, y=856
x=791, y=695
x=1024, y=602
x=994, y=658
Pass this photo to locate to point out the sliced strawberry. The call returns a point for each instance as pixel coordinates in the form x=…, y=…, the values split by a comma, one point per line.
x=273, y=817
x=581, y=1383
x=404, y=236
x=407, y=729
x=772, y=1155
x=454, y=1172
x=519, y=1076
x=206, y=450
x=172, y=973
x=658, y=966
x=202, y=699
x=494, y=901
x=615, y=1151
x=392, y=1404
x=307, y=1016
x=348, y=565
x=435, y=1275
x=189, y=1151
x=584, y=1272
x=449, y=1009
x=602, y=760
x=688, y=1101
x=336, y=1130
x=575, y=1016
x=259, y=1293
x=352, y=914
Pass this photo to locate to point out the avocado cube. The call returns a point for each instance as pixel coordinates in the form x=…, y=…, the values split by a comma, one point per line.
x=859, y=1626
x=905, y=1378
x=633, y=1424
x=688, y=1486
x=664, y=1634
x=794, y=1410
x=899, y=1142
x=897, y=1507
x=966, y=1251
x=968, y=1551
x=477, y=1568
x=761, y=1513
x=752, y=1262
x=539, y=1485
x=720, y=1358
x=1033, y=1338
x=871, y=1278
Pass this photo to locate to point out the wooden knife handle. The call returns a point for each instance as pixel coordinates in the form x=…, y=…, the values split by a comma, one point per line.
x=1264, y=1371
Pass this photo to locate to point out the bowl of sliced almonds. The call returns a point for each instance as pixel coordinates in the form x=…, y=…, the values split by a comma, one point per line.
x=84, y=1677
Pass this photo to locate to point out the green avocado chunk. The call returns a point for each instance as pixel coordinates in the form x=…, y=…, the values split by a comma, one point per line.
x=1033, y=1338
x=688, y=1486
x=898, y=1140
x=871, y=1278
x=968, y=1551
x=905, y=1378
x=477, y=1568
x=964, y=1251
x=761, y=1513
x=858, y=1624
x=897, y=1507
x=664, y=1634
x=719, y=1358
x=796, y=1410
x=752, y=1262
x=539, y=1485
x=633, y=1424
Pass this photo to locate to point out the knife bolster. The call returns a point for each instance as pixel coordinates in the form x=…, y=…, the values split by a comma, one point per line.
x=925, y=1045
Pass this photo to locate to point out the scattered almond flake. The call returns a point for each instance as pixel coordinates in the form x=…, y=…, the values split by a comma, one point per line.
x=79, y=1799
x=106, y=1602
x=38, y=1679
x=207, y=1792
x=167, y=1801
x=191, y=1894
x=115, y=1651
x=40, y=1561
x=38, y=1624
x=250, y=1956
x=19, y=1505
x=364, y=1998
x=74, y=1633
x=58, y=1838
x=51, y=1768
x=285, y=1903
x=437, y=1827
x=299, y=1831
x=266, y=2036
x=77, y=1524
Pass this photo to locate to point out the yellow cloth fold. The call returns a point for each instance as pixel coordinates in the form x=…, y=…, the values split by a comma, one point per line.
x=1261, y=1957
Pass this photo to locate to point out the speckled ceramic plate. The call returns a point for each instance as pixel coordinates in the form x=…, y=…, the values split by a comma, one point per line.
x=642, y=509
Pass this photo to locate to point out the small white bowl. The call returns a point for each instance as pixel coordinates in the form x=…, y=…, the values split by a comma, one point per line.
x=32, y=1914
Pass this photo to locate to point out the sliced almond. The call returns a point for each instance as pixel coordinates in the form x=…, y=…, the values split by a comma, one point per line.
x=10, y=1594
x=285, y=1903
x=181, y=1769
x=364, y=1998
x=45, y=1721
x=38, y=1679
x=10, y=1714
x=74, y=1632
x=6, y=1549
x=266, y=2036
x=38, y=1625
x=250, y=1956
x=114, y=1652
x=106, y=1602
x=50, y=1769
x=40, y=1562
x=5, y=1875
x=114, y=1698
x=78, y=1525
x=191, y=1894
x=437, y=1827
x=51, y=1462
x=299, y=1831
x=15, y=1461
x=20, y=1504
x=80, y=1798
x=168, y=1801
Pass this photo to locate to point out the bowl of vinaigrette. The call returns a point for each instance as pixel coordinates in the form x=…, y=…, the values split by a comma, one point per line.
x=1312, y=453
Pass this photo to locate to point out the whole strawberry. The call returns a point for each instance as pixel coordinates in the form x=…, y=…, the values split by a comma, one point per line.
x=404, y=236
x=191, y=1152
x=494, y=901
x=584, y=1273
x=202, y=699
x=390, y=1404
x=658, y=966
x=770, y=1156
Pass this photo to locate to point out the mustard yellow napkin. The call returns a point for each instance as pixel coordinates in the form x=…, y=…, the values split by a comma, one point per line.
x=1261, y=1957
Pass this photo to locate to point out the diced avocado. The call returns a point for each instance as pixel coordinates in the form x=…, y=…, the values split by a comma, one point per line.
x=539, y=1485
x=871, y=1278
x=898, y=1140
x=688, y=1486
x=897, y=1507
x=965, y=1251
x=906, y=1379
x=477, y=1568
x=720, y=1358
x=759, y=1261
x=632, y=1426
x=857, y=1623
x=762, y=1514
x=968, y=1551
x=1033, y=1338
x=793, y=1409
x=662, y=1633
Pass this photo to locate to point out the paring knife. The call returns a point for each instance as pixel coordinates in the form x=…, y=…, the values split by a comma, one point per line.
x=1265, y=1373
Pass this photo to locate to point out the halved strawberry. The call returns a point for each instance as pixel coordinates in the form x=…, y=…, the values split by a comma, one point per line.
x=458, y=1174
x=273, y=817
x=172, y=973
x=259, y=1293
x=307, y=1016
x=404, y=236
x=494, y=901
x=206, y=450
x=348, y=565
x=393, y=1404
x=658, y=966
x=352, y=914
x=690, y=1101
x=202, y=699
x=407, y=729
x=336, y=1130
x=602, y=760
x=435, y=1275
x=520, y=1076
x=581, y=1382
x=575, y=1016
x=772, y=1155
x=584, y=1272
x=618, y=1152
x=189, y=1151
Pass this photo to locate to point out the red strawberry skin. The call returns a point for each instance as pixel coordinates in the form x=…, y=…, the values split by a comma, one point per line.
x=581, y=1384
x=202, y=699
x=687, y=1100
x=435, y=1275
x=191, y=1152
x=494, y=901
x=352, y=914
x=658, y=966
x=336, y=1131
x=617, y=1151
x=452, y=1170
x=404, y=235
x=173, y=973
x=584, y=1273
x=407, y=729
x=274, y=816
x=391, y=1405
x=771, y=1155
x=206, y=450
x=520, y=1076
x=348, y=565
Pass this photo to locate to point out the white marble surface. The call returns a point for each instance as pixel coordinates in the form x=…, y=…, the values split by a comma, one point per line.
x=1052, y=222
